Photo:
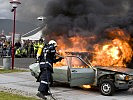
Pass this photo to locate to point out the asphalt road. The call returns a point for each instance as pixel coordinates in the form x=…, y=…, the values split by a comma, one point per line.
x=21, y=62
x=23, y=83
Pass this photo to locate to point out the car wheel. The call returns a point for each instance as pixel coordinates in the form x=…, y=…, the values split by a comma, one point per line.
x=107, y=87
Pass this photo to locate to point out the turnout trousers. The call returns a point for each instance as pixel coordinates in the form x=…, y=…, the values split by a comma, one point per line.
x=45, y=78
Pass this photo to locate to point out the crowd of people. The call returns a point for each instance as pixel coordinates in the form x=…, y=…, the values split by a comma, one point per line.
x=26, y=48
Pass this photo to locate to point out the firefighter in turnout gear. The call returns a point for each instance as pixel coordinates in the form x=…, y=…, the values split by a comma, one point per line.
x=46, y=58
x=40, y=47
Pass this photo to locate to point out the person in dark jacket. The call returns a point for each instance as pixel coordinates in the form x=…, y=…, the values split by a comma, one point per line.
x=4, y=51
x=46, y=60
x=17, y=45
x=31, y=49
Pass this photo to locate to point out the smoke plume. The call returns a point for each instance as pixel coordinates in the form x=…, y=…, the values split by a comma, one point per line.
x=86, y=17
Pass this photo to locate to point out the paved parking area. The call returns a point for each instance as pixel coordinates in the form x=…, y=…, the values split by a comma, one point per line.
x=23, y=83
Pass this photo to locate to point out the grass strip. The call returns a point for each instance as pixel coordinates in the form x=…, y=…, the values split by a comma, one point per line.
x=11, y=71
x=9, y=96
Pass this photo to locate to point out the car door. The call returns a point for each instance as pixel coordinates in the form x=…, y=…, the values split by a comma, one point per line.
x=61, y=71
x=80, y=72
x=60, y=74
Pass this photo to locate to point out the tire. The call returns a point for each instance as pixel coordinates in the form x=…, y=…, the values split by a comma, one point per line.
x=107, y=87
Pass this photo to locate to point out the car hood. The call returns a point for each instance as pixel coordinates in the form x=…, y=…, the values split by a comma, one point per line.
x=117, y=69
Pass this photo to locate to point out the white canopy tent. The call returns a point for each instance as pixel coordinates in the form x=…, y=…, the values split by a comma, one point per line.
x=35, y=36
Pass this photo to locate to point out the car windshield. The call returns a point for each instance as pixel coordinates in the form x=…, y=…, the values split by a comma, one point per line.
x=76, y=62
x=86, y=59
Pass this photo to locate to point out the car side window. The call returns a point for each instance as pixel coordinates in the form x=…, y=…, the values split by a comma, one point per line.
x=75, y=62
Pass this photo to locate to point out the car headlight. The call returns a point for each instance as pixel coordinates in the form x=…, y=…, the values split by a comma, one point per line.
x=129, y=77
x=123, y=77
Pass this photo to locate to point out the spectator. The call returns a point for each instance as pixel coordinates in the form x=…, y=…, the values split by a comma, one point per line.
x=17, y=45
x=31, y=49
x=4, y=51
x=35, y=48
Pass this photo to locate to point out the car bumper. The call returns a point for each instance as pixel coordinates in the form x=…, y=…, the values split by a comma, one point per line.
x=124, y=84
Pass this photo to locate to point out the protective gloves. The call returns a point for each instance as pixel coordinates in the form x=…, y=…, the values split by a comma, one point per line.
x=61, y=58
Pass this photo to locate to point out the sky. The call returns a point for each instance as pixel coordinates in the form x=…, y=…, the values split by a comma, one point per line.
x=5, y=8
x=27, y=11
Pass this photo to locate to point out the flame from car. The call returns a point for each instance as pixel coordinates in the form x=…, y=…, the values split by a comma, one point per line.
x=114, y=51
x=73, y=44
x=86, y=86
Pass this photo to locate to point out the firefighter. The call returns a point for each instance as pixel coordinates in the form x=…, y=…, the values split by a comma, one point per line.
x=40, y=47
x=46, y=57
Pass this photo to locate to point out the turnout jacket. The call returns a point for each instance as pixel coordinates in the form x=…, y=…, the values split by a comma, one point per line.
x=49, y=55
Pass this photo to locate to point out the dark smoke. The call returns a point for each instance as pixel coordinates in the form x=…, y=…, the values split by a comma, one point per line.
x=86, y=17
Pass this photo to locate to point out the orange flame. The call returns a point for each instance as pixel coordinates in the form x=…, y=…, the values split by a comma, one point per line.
x=86, y=86
x=115, y=51
x=73, y=44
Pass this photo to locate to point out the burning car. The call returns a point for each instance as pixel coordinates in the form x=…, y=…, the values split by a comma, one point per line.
x=79, y=72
